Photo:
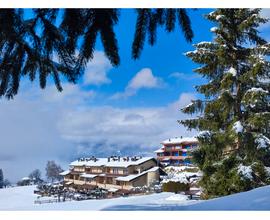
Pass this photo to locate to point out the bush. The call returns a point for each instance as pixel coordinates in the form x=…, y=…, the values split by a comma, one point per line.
x=175, y=187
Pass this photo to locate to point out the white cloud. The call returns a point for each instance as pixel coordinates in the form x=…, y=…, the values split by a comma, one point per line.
x=184, y=76
x=143, y=79
x=39, y=125
x=97, y=69
x=29, y=132
x=106, y=130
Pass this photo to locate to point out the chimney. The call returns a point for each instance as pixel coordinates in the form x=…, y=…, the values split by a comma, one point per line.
x=119, y=158
x=127, y=158
x=109, y=159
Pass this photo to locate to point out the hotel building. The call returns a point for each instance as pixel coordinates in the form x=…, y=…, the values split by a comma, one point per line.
x=113, y=173
x=176, y=151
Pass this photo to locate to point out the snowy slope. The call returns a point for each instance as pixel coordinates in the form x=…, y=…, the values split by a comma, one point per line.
x=21, y=198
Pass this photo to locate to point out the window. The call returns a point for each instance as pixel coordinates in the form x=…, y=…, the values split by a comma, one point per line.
x=125, y=171
x=175, y=154
x=115, y=171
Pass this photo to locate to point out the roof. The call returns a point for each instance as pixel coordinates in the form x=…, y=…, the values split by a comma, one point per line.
x=90, y=176
x=131, y=177
x=153, y=169
x=111, y=163
x=166, y=158
x=180, y=140
x=161, y=150
x=68, y=183
x=113, y=190
x=64, y=172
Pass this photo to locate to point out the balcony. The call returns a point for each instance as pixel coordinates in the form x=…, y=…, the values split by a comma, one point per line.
x=174, y=157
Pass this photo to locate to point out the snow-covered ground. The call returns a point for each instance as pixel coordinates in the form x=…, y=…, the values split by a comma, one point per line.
x=22, y=198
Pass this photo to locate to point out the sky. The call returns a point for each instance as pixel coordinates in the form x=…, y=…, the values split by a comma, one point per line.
x=124, y=110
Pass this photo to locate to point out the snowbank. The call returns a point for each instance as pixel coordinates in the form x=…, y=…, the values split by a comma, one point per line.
x=22, y=198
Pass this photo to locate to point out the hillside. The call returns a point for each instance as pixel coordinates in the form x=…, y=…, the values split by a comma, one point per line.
x=22, y=198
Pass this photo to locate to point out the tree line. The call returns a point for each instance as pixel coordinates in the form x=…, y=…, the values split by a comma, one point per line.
x=52, y=173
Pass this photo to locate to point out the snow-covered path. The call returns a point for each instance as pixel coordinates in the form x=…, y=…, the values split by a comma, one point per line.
x=22, y=198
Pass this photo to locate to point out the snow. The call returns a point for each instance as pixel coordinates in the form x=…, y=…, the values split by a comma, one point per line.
x=257, y=90
x=246, y=171
x=232, y=71
x=25, y=178
x=113, y=190
x=161, y=150
x=218, y=17
x=262, y=141
x=64, y=172
x=178, y=174
x=203, y=43
x=131, y=177
x=180, y=140
x=189, y=105
x=179, y=177
x=111, y=163
x=22, y=198
x=237, y=126
x=177, y=197
x=204, y=134
x=213, y=29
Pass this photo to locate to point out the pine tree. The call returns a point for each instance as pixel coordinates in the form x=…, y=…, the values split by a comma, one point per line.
x=233, y=116
x=1, y=179
x=51, y=44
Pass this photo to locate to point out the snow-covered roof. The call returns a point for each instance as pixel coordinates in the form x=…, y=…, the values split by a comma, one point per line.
x=64, y=172
x=161, y=150
x=166, y=158
x=180, y=140
x=131, y=177
x=153, y=169
x=113, y=190
x=112, y=163
x=90, y=176
x=26, y=178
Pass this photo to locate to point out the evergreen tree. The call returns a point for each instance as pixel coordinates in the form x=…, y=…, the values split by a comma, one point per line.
x=233, y=117
x=1, y=179
x=55, y=45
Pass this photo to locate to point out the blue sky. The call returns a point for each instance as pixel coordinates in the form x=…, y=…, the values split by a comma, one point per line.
x=127, y=110
x=164, y=58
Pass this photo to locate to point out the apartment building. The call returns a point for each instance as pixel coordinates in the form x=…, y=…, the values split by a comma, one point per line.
x=176, y=151
x=113, y=173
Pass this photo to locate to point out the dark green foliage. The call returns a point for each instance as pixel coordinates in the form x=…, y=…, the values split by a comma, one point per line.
x=28, y=47
x=234, y=150
x=1, y=178
x=50, y=46
x=175, y=187
x=148, y=20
